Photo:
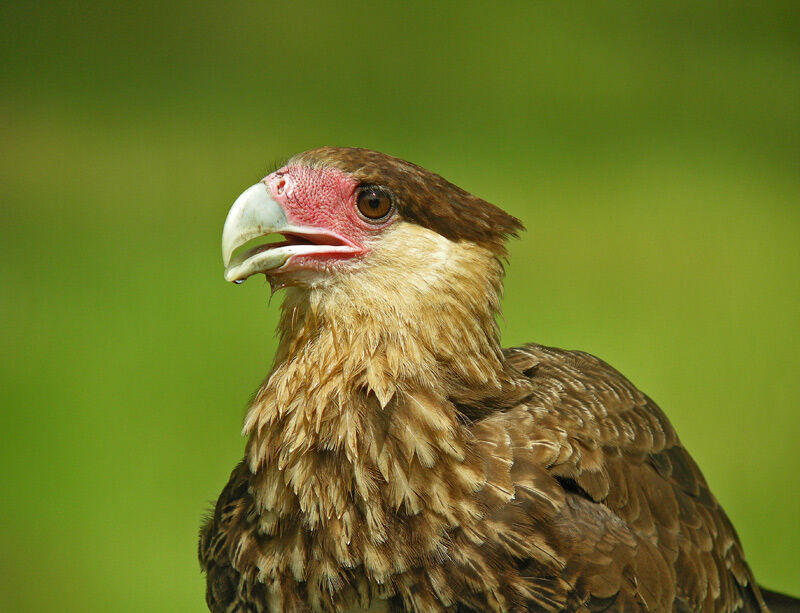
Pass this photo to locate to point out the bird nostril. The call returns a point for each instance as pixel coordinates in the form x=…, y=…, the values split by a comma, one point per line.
x=280, y=186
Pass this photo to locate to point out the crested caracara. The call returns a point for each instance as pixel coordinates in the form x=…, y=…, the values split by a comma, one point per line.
x=399, y=459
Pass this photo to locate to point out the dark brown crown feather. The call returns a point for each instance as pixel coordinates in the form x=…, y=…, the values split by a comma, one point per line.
x=422, y=197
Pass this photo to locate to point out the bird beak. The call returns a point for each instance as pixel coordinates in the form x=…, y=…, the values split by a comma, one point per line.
x=255, y=214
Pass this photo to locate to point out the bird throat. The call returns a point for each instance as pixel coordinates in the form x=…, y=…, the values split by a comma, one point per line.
x=356, y=436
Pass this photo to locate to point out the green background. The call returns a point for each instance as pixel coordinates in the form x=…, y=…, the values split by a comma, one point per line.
x=652, y=150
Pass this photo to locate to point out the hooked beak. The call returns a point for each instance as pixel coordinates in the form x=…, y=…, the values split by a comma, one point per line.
x=255, y=214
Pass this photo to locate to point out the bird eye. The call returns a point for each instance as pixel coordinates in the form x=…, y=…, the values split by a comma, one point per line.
x=374, y=203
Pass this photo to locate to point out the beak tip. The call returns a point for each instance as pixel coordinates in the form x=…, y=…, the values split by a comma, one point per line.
x=253, y=214
x=240, y=216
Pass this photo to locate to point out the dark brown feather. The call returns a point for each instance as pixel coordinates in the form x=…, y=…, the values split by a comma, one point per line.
x=421, y=196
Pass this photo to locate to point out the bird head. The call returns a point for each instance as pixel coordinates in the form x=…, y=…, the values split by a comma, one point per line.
x=336, y=211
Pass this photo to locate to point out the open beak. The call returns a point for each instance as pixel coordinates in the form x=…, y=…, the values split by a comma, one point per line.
x=254, y=215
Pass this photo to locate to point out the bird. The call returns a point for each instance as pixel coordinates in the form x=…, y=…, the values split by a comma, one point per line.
x=399, y=459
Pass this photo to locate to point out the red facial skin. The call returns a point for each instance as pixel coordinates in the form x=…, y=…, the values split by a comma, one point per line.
x=323, y=198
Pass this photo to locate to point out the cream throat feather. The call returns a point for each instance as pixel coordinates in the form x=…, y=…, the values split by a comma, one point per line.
x=357, y=422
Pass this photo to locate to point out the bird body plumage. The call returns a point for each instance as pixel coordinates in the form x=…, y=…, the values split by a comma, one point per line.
x=399, y=460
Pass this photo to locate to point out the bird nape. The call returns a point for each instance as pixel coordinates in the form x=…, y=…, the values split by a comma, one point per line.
x=398, y=459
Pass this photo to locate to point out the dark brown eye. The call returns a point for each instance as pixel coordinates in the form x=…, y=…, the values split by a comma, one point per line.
x=374, y=203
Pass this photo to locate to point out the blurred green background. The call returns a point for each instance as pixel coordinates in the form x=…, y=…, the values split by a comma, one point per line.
x=652, y=150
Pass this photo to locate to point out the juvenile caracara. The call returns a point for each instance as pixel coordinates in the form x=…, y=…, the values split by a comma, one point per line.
x=398, y=459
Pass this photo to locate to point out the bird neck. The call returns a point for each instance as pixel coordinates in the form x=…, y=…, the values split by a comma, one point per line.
x=366, y=390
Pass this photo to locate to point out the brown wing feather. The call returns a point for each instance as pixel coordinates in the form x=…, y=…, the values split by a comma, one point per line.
x=583, y=500
x=221, y=537
x=645, y=531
